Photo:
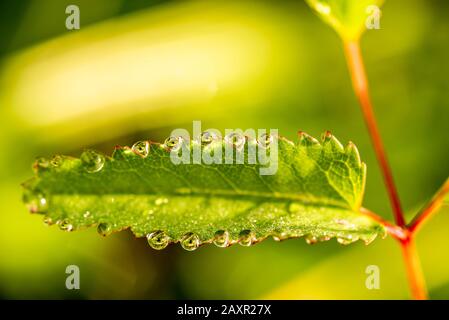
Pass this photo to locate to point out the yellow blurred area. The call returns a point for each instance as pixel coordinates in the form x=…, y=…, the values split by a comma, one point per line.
x=34, y=257
x=184, y=53
x=343, y=276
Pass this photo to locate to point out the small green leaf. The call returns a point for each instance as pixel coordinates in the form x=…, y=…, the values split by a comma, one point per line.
x=316, y=192
x=347, y=17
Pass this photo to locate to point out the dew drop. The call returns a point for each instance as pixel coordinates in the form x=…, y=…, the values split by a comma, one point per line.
x=347, y=240
x=42, y=163
x=142, y=148
x=235, y=139
x=367, y=240
x=190, y=241
x=56, y=161
x=208, y=137
x=221, y=238
x=64, y=225
x=92, y=161
x=343, y=241
x=174, y=144
x=311, y=239
x=246, y=238
x=158, y=240
x=104, y=229
x=36, y=201
x=280, y=236
x=48, y=221
x=265, y=141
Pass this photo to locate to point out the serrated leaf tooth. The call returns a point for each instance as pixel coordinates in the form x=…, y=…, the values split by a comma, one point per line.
x=306, y=139
x=41, y=163
x=282, y=138
x=353, y=153
x=329, y=140
x=121, y=152
x=326, y=135
x=28, y=184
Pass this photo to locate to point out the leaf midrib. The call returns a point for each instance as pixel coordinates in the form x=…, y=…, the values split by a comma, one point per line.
x=286, y=197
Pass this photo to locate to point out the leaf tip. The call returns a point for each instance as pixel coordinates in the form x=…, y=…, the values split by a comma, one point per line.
x=353, y=153
x=306, y=139
x=328, y=139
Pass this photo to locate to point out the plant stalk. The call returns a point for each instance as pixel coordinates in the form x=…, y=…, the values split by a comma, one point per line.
x=414, y=272
x=360, y=85
x=396, y=232
x=402, y=234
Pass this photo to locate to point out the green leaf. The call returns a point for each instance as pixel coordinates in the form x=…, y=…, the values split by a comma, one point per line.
x=347, y=17
x=316, y=193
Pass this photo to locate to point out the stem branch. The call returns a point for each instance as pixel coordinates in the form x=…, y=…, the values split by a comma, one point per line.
x=396, y=232
x=360, y=84
x=430, y=209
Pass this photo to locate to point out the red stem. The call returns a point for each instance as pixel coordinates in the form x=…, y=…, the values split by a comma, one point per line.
x=399, y=232
x=406, y=239
x=414, y=272
x=360, y=84
x=430, y=209
x=396, y=232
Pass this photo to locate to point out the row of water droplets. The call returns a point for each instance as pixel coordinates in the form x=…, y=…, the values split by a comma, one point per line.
x=64, y=224
x=93, y=161
x=102, y=228
x=207, y=138
x=191, y=241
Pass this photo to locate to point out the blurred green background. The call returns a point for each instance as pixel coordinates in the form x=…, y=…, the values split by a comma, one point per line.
x=138, y=69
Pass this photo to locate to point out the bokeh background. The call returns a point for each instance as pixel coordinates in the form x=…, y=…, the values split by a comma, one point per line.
x=138, y=69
